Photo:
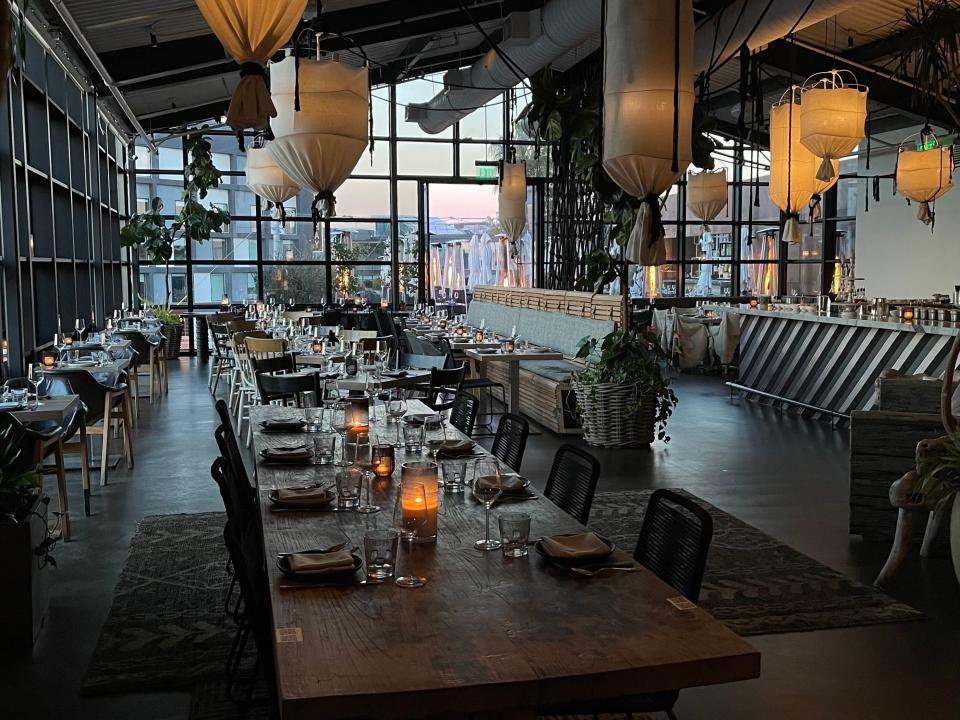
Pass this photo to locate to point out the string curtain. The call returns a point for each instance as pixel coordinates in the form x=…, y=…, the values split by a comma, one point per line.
x=512, y=201
x=251, y=31
x=924, y=174
x=268, y=180
x=647, y=110
x=833, y=114
x=319, y=145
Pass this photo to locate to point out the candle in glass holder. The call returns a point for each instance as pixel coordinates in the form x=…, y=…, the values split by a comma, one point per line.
x=357, y=417
x=382, y=457
x=478, y=336
x=509, y=345
x=49, y=360
x=317, y=347
x=443, y=324
x=308, y=309
x=5, y=348
x=908, y=314
x=67, y=340
x=420, y=472
x=458, y=331
x=753, y=304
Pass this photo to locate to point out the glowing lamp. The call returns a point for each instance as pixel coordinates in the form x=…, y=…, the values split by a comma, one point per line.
x=413, y=474
x=707, y=195
x=512, y=204
x=924, y=175
x=833, y=112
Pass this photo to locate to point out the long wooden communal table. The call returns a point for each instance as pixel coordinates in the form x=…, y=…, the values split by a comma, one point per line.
x=486, y=635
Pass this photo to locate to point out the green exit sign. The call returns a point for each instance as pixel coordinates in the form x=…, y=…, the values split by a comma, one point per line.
x=486, y=171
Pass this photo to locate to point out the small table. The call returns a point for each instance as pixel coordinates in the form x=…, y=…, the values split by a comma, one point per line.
x=514, y=358
x=358, y=381
x=54, y=408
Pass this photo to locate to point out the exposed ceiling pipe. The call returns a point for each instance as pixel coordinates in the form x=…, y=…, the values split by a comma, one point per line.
x=564, y=24
x=94, y=59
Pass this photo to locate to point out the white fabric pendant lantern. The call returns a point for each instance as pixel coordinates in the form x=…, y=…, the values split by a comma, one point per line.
x=924, y=174
x=647, y=109
x=251, y=31
x=268, y=180
x=512, y=200
x=833, y=113
x=707, y=195
x=319, y=145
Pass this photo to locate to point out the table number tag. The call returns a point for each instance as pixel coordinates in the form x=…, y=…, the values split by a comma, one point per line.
x=681, y=603
x=289, y=635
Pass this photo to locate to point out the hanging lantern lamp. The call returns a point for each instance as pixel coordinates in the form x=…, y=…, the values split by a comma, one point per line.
x=925, y=173
x=647, y=110
x=707, y=195
x=833, y=113
x=321, y=126
x=251, y=31
x=268, y=180
x=512, y=201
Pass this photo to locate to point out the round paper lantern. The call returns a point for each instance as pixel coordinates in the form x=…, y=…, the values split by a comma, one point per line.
x=268, y=180
x=707, y=195
x=252, y=31
x=319, y=145
x=512, y=201
x=924, y=174
x=832, y=117
x=647, y=109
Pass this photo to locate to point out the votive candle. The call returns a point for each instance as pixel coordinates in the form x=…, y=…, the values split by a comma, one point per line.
x=383, y=460
x=421, y=472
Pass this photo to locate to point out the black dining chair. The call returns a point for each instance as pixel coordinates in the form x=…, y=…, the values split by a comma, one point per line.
x=475, y=383
x=463, y=415
x=444, y=388
x=510, y=440
x=573, y=481
x=674, y=542
x=283, y=388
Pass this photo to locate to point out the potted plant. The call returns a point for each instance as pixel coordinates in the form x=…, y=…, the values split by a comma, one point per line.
x=938, y=470
x=623, y=398
x=156, y=236
x=26, y=543
x=171, y=327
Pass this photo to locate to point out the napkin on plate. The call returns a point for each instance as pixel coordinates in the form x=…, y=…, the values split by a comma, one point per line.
x=452, y=448
x=287, y=453
x=583, y=546
x=513, y=484
x=303, y=496
x=283, y=424
x=319, y=563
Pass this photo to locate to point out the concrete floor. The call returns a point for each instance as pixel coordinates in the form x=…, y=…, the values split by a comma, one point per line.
x=783, y=474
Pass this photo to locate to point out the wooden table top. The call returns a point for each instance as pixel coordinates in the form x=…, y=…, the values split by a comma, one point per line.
x=516, y=356
x=54, y=408
x=486, y=634
x=359, y=381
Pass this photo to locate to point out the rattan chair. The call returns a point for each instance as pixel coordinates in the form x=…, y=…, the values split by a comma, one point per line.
x=573, y=481
x=463, y=415
x=511, y=440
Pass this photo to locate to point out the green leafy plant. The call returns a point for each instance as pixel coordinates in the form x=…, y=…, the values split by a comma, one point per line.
x=19, y=483
x=940, y=472
x=194, y=222
x=631, y=357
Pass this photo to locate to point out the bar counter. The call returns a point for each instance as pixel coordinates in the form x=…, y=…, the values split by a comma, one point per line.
x=827, y=365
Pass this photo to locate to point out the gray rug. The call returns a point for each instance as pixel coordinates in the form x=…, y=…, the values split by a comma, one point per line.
x=754, y=583
x=167, y=628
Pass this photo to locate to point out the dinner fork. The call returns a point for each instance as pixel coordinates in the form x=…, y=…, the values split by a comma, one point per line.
x=587, y=572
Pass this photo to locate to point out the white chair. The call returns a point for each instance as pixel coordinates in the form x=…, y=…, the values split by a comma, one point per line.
x=693, y=340
x=726, y=337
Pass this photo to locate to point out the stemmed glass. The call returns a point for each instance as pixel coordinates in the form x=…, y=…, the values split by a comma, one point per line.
x=434, y=435
x=397, y=406
x=338, y=422
x=80, y=326
x=35, y=376
x=373, y=387
x=364, y=462
x=408, y=518
x=487, y=486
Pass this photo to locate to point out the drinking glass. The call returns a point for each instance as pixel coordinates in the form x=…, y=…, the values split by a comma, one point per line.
x=409, y=520
x=397, y=406
x=338, y=422
x=349, y=480
x=514, y=534
x=314, y=418
x=323, y=448
x=364, y=462
x=434, y=435
x=487, y=486
x=373, y=387
x=412, y=437
x=380, y=552
x=454, y=475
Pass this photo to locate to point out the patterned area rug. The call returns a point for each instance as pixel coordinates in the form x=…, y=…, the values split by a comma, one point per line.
x=167, y=628
x=754, y=583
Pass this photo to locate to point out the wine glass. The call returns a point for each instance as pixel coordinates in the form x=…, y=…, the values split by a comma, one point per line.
x=397, y=406
x=487, y=486
x=434, y=435
x=364, y=461
x=410, y=514
x=35, y=376
x=338, y=422
x=79, y=325
x=373, y=387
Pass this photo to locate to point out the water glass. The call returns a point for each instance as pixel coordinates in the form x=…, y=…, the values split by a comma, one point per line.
x=349, y=482
x=380, y=553
x=413, y=437
x=323, y=448
x=514, y=534
x=19, y=395
x=314, y=418
x=454, y=475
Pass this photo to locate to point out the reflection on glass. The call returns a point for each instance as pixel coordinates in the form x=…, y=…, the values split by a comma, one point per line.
x=653, y=282
x=365, y=281
x=712, y=245
x=306, y=284
x=803, y=279
x=237, y=282
x=708, y=279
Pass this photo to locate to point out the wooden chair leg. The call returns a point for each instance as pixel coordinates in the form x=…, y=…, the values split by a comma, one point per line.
x=165, y=372
x=135, y=390
x=104, y=450
x=127, y=434
x=62, y=492
x=900, y=548
x=85, y=468
x=152, y=373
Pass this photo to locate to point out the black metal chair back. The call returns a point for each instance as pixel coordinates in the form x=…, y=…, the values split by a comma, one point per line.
x=231, y=448
x=511, y=440
x=573, y=481
x=287, y=387
x=444, y=387
x=463, y=415
x=237, y=494
x=447, y=350
x=279, y=364
x=675, y=540
x=143, y=346
x=93, y=394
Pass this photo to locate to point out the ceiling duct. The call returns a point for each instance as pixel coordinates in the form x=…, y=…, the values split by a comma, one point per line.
x=543, y=36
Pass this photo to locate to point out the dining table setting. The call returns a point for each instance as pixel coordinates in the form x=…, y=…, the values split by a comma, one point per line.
x=413, y=574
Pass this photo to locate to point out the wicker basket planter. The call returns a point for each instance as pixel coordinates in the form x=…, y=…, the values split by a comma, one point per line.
x=610, y=418
x=172, y=334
